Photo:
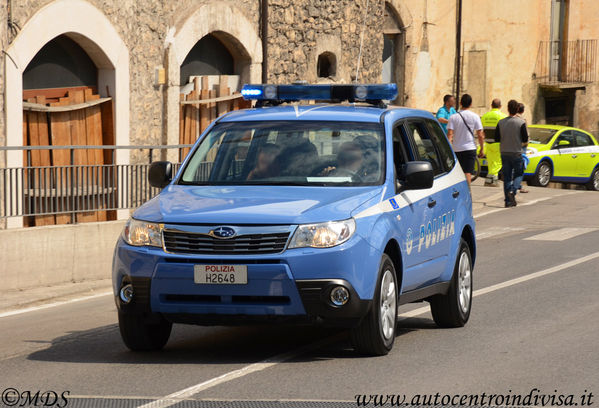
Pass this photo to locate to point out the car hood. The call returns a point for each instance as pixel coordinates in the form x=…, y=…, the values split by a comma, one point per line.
x=254, y=204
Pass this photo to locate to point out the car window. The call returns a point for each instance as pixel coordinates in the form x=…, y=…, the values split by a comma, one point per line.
x=425, y=148
x=289, y=153
x=582, y=139
x=400, y=156
x=440, y=140
x=566, y=135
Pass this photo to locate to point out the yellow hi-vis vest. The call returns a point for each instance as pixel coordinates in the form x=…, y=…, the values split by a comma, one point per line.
x=491, y=118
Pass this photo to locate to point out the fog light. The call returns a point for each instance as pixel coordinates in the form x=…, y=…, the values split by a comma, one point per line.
x=126, y=293
x=339, y=296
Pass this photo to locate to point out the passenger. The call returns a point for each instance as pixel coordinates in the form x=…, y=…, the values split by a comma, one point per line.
x=264, y=164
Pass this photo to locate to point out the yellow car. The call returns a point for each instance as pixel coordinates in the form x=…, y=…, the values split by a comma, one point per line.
x=562, y=153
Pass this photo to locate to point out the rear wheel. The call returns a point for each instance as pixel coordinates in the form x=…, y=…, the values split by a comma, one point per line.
x=593, y=183
x=542, y=175
x=453, y=308
x=140, y=333
x=476, y=171
x=376, y=333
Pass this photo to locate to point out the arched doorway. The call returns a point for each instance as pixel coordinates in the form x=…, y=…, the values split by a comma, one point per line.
x=211, y=54
x=62, y=76
x=394, y=51
x=42, y=43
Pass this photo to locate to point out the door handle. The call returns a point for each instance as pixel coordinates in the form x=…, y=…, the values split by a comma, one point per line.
x=431, y=203
x=593, y=155
x=455, y=194
x=574, y=156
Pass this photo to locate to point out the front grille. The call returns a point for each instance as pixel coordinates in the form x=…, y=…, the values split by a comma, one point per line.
x=251, y=244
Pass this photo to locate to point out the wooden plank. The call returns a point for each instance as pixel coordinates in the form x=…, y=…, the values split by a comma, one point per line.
x=60, y=131
x=39, y=178
x=54, y=94
x=79, y=137
x=204, y=111
x=223, y=90
x=212, y=106
x=95, y=157
x=181, y=126
x=108, y=140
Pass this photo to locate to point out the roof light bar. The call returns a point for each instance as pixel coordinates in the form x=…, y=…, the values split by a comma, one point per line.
x=351, y=93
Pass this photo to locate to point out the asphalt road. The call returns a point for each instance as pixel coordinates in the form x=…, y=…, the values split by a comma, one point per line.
x=534, y=325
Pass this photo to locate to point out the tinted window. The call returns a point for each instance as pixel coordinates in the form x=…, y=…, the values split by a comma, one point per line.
x=582, y=139
x=567, y=135
x=440, y=140
x=425, y=149
x=289, y=153
x=399, y=151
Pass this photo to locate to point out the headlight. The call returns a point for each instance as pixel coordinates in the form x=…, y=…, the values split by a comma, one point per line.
x=325, y=235
x=140, y=233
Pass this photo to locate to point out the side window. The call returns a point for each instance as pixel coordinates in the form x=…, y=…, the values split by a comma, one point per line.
x=567, y=135
x=439, y=139
x=399, y=151
x=582, y=139
x=425, y=149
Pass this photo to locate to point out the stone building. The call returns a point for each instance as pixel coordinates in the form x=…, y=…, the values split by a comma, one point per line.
x=143, y=53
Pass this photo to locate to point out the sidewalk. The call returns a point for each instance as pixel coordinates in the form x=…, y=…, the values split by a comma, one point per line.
x=32, y=297
x=485, y=200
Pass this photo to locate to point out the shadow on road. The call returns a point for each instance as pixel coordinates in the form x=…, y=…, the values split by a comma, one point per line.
x=209, y=345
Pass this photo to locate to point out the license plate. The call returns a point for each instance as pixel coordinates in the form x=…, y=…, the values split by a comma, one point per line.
x=220, y=274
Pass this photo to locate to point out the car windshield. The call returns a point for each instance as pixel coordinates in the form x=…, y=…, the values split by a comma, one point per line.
x=540, y=135
x=289, y=153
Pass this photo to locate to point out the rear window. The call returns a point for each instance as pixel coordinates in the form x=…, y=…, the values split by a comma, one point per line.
x=540, y=135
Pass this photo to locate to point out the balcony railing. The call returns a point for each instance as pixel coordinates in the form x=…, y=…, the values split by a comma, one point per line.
x=74, y=193
x=567, y=62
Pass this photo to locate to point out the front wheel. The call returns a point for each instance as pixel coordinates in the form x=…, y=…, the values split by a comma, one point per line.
x=376, y=333
x=593, y=183
x=144, y=333
x=542, y=176
x=453, y=308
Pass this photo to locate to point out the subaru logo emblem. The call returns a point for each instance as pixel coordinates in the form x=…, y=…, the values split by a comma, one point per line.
x=223, y=232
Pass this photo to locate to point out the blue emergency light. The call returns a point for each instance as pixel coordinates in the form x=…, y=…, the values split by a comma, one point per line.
x=289, y=93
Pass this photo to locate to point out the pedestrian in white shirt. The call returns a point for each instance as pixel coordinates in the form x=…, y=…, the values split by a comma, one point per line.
x=461, y=130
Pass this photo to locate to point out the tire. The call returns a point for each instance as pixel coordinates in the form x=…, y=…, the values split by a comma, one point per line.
x=476, y=171
x=542, y=176
x=375, y=334
x=453, y=308
x=593, y=183
x=139, y=334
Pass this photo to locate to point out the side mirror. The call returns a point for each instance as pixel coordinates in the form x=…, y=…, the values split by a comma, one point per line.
x=563, y=143
x=417, y=175
x=160, y=174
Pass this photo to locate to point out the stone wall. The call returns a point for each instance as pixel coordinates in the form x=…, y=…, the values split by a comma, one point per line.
x=300, y=33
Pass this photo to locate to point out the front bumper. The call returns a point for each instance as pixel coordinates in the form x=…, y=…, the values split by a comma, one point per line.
x=294, y=285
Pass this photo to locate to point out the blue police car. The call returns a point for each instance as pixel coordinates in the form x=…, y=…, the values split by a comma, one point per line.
x=332, y=213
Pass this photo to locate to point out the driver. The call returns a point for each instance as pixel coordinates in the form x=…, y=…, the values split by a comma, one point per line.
x=349, y=160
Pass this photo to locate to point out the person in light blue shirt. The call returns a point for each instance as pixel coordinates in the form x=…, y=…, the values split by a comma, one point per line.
x=446, y=111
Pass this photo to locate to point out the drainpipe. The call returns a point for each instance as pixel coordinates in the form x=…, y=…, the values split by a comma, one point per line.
x=458, y=49
x=264, y=36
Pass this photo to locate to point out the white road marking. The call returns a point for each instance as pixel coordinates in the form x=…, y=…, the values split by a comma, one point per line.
x=50, y=305
x=178, y=396
x=186, y=393
x=532, y=202
x=561, y=234
x=494, y=231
